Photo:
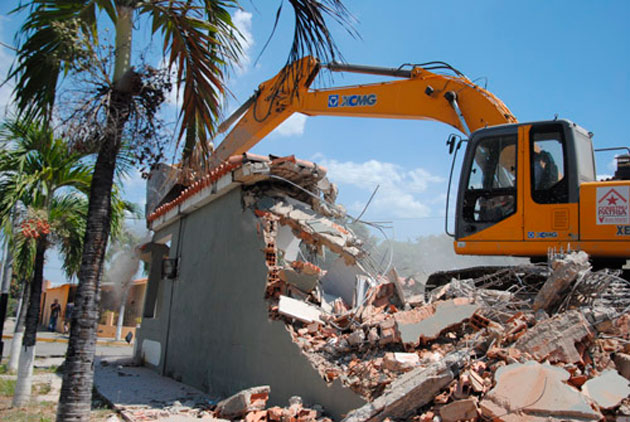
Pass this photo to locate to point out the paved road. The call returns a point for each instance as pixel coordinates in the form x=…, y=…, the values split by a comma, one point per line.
x=139, y=393
x=54, y=345
x=58, y=349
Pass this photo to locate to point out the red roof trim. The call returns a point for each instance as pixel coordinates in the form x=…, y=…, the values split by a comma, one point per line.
x=210, y=178
x=215, y=174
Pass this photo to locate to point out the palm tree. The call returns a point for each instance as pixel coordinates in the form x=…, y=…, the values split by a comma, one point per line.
x=23, y=255
x=39, y=173
x=200, y=39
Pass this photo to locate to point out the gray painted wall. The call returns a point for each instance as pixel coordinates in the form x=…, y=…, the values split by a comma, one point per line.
x=220, y=338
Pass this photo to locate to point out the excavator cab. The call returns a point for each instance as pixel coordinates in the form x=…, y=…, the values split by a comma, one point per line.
x=520, y=192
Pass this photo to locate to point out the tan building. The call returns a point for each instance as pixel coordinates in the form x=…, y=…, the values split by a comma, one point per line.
x=64, y=294
x=110, y=306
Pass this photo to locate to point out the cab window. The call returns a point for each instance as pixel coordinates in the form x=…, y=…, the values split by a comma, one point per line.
x=547, y=164
x=491, y=189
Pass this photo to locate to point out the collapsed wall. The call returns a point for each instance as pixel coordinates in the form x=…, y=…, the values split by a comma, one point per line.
x=211, y=327
x=274, y=288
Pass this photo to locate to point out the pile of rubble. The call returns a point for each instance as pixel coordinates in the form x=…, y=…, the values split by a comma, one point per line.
x=250, y=405
x=533, y=343
x=530, y=343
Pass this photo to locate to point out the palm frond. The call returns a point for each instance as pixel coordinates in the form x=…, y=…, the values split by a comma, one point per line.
x=67, y=214
x=201, y=42
x=23, y=256
x=38, y=171
x=312, y=35
x=49, y=43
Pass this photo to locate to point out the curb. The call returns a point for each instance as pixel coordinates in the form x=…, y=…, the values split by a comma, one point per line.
x=63, y=340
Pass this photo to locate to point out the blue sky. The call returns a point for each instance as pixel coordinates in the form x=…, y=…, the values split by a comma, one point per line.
x=542, y=58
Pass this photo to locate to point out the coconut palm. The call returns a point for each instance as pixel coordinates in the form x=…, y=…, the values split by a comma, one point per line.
x=200, y=41
x=38, y=173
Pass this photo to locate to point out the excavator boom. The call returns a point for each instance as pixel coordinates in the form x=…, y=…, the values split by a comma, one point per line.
x=419, y=94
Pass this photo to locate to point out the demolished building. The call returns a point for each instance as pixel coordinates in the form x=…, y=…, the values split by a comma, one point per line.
x=228, y=241
x=256, y=280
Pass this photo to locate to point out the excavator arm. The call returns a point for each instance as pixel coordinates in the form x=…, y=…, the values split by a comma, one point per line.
x=419, y=94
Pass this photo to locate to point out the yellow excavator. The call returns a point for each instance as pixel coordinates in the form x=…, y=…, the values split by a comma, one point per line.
x=524, y=189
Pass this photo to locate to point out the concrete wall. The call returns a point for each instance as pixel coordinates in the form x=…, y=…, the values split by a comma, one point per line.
x=151, y=338
x=219, y=336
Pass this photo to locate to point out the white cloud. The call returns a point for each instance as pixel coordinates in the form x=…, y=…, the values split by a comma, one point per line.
x=243, y=22
x=293, y=126
x=397, y=196
x=420, y=179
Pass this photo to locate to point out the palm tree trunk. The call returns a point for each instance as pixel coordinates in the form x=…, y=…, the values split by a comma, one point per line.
x=18, y=333
x=76, y=390
x=27, y=356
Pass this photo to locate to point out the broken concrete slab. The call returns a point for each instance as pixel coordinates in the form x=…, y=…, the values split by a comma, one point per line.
x=555, y=338
x=565, y=271
x=398, y=283
x=315, y=229
x=298, y=309
x=238, y=405
x=459, y=410
x=411, y=391
x=535, y=392
x=446, y=314
x=361, y=290
x=340, y=280
x=607, y=389
x=302, y=280
x=398, y=361
x=287, y=243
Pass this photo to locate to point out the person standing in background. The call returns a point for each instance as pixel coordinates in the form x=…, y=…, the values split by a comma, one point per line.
x=55, y=310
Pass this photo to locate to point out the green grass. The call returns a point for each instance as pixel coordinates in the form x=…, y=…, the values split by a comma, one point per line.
x=7, y=387
x=34, y=412
x=44, y=411
x=50, y=370
x=42, y=388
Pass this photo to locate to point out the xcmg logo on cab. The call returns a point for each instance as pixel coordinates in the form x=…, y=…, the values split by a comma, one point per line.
x=351, y=100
